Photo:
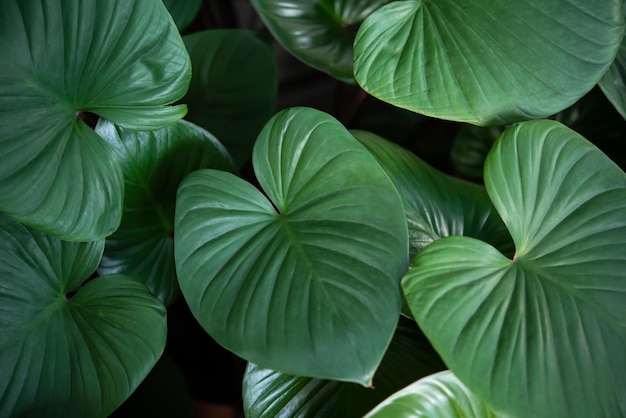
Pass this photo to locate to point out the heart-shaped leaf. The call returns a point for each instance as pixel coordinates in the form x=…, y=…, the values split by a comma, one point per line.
x=234, y=86
x=183, y=11
x=120, y=59
x=64, y=354
x=304, y=281
x=438, y=395
x=543, y=334
x=437, y=205
x=271, y=394
x=487, y=63
x=318, y=32
x=154, y=163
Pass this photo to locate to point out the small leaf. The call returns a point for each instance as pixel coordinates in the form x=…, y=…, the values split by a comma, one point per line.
x=234, y=86
x=487, y=63
x=120, y=59
x=438, y=395
x=154, y=163
x=271, y=394
x=318, y=32
x=548, y=327
x=69, y=348
x=296, y=281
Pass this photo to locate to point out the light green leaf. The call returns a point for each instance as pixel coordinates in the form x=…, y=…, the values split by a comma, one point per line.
x=271, y=394
x=487, y=63
x=437, y=205
x=69, y=348
x=318, y=32
x=234, y=86
x=296, y=281
x=154, y=163
x=543, y=334
x=122, y=60
x=438, y=395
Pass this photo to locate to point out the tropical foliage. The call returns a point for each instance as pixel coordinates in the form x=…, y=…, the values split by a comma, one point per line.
x=143, y=161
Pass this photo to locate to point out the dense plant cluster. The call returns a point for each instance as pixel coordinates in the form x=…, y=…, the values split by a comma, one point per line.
x=142, y=162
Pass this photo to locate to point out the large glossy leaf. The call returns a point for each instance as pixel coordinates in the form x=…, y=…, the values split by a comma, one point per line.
x=120, y=59
x=183, y=11
x=542, y=334
x=305, y=280
x=271, y=394
x=613, y=83
x=437, y=205
x=154, y=163
x=439, y=395
x=487, y=63
x=318, y=32
x=69, y=348
x=233, y=88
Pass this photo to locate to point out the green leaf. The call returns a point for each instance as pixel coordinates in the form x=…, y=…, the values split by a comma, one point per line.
x=487, y=63
x=318, y=32
x=439, y=395
x=272, y=394
x=183, y=11
x=234, y=86
x=154, y=163
x=66, y=354
x=437, y=205
x=613, y=83
x=543, y=334
x=306, y=280
x=120, y=59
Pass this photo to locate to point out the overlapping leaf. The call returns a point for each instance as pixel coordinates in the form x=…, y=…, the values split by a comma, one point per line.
x=120, y=59
x=547, y=326
x=234, y=86
x=305, y=280
x=487, y=63
x=154, y=163
x=271, y=394
x=319, y=32
x=437, y=205
x=69, y=348
x=439, y=395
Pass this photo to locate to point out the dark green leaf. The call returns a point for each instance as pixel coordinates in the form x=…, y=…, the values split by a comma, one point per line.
x=297, y=281
x=270, y=394
x=487, y=62
x=154, y=163
x=542, y=334
x=318, y=32
x=437, y=396
x=437, y=205
x=120, y=59
x=64, y=354
x=233, y=88
x=183, y=11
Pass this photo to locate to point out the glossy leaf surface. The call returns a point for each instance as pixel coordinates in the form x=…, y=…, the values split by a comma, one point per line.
x=271, y=394
x=69, y=348
x=120, y=59
x=233, y=88
x=305, y=280
x=487, y=63
x=547, y=326
x=439, y=395
x=318, y=32
x=437, y=205
x=154, y=163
